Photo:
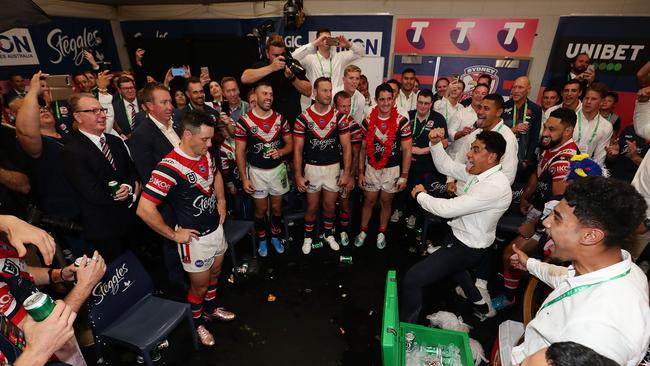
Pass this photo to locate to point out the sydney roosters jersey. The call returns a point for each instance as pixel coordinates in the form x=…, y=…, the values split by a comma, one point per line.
x=382, y=129
x=321, y=135
x=553, y=166
x=355, y=131
x=262, y=135
x=16, y=284
x=188, y=185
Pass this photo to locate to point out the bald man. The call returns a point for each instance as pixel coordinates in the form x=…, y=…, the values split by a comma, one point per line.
x=524, y=118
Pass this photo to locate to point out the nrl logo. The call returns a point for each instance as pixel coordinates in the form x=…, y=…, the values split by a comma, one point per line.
x=191, y=177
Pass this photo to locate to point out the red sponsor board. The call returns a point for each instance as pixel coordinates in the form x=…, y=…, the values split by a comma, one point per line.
x=465, y=36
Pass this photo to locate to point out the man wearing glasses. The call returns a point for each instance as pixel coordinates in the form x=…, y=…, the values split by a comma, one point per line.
x=93, y=163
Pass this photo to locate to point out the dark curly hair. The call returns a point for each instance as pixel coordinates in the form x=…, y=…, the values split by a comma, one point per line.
x=575, y=354
x=608, y=204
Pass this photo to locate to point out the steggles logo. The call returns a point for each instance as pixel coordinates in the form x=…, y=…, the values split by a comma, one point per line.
x=65, y=45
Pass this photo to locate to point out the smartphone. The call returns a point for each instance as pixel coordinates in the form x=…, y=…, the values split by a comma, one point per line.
x=225, y=107
x=12, y=333
x=60, y=86
x=331, y=41
x=205, y=70
x=591, y=68
x=178, y=71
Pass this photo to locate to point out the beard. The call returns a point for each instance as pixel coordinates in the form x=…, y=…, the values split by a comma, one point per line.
x=551, y=143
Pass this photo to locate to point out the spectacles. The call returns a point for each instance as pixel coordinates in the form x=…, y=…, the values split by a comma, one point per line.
x=96, y=111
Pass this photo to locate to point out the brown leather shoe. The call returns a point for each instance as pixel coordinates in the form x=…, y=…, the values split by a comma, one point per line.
x=205, y=336
x=220, y=314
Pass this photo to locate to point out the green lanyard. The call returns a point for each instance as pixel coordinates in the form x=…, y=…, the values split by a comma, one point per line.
x=474, y=179
x=190, y=105
x=242, y=107
x=57, y=110
x=353, y=107
x=514, y=114
x=593, y=133
x=415, y=123
x=579, y=289
x=322, y=71
x=447, y=111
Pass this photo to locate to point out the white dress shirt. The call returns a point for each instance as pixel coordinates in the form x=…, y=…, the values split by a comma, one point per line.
x=106, y=100
x=169, y=132
x=332, y=67
x=611, y=318
x=406, y=104
x=95, y=139
x=509, y=160
x=641, y=179
x=358, y=104
x=463, y=118
x=476, y=213
x=444, y=107
x=548, y=112
x=592, y=136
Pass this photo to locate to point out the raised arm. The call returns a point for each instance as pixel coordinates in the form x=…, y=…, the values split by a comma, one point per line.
x=28, y=121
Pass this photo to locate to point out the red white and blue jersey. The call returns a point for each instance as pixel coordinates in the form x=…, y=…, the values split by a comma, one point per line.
x=321, y=135
x=355, y=131
x=402, y=133
x=188, y=185
x=16, y=284
x=262, y=135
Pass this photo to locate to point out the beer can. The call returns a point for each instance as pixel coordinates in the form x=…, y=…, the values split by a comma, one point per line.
x=114, y=187
x=39, y=306
x=317, y=244
x=266, y=148
x=77, y=262
x=347, y=259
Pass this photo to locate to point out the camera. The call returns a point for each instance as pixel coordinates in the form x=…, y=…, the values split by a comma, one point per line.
x=37, y=218
x=294, y=65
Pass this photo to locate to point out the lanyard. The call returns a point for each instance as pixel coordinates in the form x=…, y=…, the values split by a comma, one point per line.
x=190, y=105
x=322, y=71
x=353, y=107
x=57, y=111
x=514, y=114
x=242, y=107
x=593, y=133
x=474, y=179
x=415, y=124
x=579, y=289
x=500, y=126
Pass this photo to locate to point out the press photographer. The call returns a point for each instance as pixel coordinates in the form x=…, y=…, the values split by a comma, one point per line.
x=286, y=77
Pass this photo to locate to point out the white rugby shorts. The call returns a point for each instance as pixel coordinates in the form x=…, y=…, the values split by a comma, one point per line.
x=198, y=255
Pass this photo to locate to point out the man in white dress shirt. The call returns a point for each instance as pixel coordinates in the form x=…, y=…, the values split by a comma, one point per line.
x=351, y=78
x=641, y=179
x=593, y=132
x=462, y=123
x=489, y=119
x=570, y=99
x=601, y=299
x=406, y=100
x=474, y=220
x=450, y=104
x=321, y=59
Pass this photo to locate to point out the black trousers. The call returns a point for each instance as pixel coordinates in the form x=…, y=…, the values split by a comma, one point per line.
x=452, y=260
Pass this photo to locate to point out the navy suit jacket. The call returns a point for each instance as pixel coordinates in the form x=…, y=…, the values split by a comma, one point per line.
x=89, y=173
x=121, y=119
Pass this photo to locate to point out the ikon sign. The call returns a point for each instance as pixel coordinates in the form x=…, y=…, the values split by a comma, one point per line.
x=463, y=36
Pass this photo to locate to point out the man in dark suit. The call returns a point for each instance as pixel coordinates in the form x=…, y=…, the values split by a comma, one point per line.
x=154, y=138
x=17, y=84
x=92, y=160
x=125, y=106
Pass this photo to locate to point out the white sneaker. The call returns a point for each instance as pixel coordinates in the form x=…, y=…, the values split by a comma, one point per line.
x=410, y=222
x=381, y=241
x=485, y=294
x=345, y=240
x=332, y=243
x=306, y=246
x=396, y=216
x=358, y=241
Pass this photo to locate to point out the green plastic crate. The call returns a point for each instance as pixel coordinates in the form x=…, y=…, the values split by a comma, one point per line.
x=393, y=331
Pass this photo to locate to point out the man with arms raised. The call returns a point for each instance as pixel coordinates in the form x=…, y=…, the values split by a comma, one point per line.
x=262, y=140
x=320, y=133
x=601, y=299
x=474, y=216
x=189, y=180
x=386, y=144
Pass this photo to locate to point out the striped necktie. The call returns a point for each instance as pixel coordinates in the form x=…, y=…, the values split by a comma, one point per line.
x=132, y=112
x=106, y=151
